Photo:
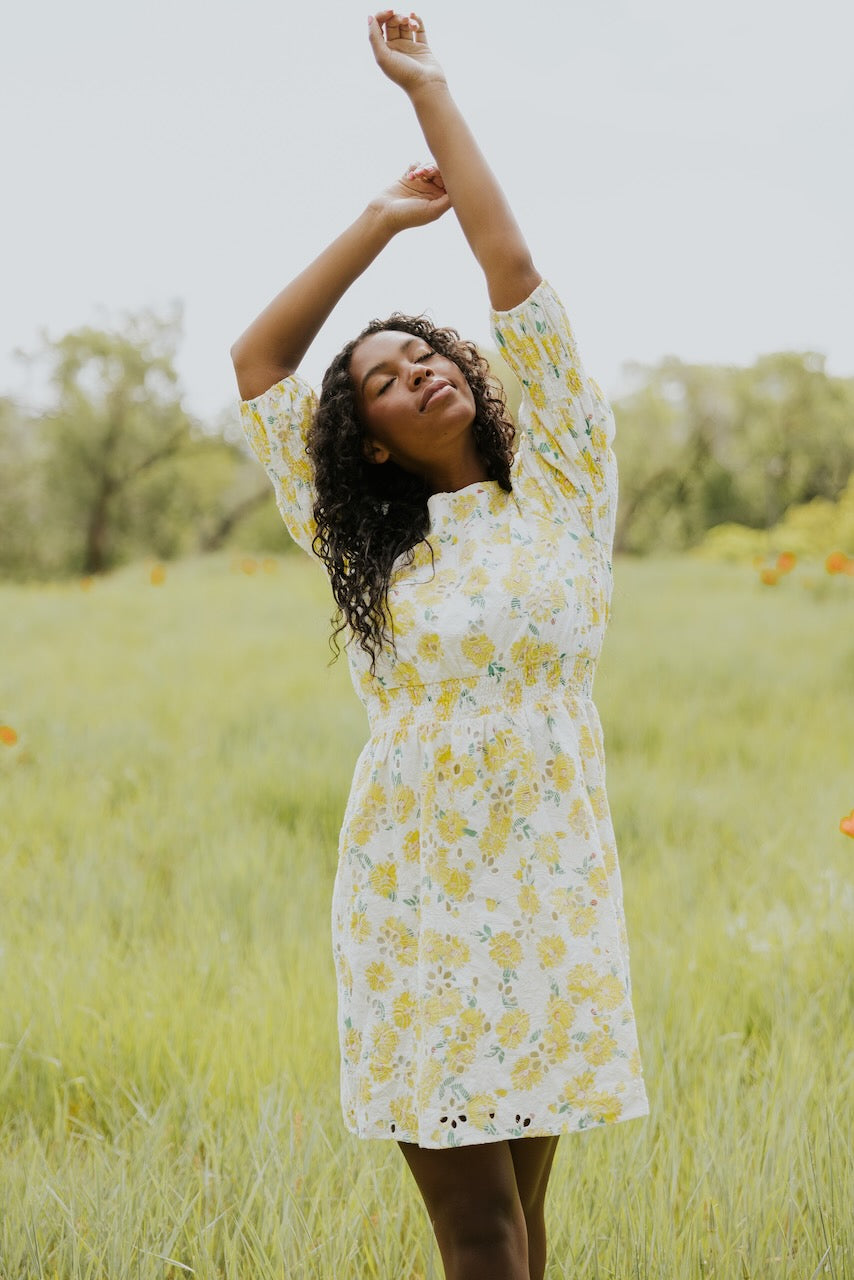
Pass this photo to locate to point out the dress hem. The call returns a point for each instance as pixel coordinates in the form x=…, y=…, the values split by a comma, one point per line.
x=636, y=1111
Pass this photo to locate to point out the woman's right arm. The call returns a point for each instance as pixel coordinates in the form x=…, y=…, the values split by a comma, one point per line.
x=275, y=343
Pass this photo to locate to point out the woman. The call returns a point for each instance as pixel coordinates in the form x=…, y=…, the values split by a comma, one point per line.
x=479, y=938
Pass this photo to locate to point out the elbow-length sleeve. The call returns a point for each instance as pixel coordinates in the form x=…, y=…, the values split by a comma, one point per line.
x=566, y=424
x=276, y=426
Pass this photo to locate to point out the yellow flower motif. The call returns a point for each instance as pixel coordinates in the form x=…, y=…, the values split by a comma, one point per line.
x=598, y=803
x=497, y=830
x=403, y=1115
x=583, y=982
x=481, y=1110
x=598, y=440
x=551, y=949
x=635, y=1064
x=526, y=798
x=406, y=673
x=574, y=382
x=412, y=847
x=464, y=773
x=404, y=1009
x=547, y=849
x=473, y=1022
x=563, y=772
x=561, y=1013
x=455, y=882
x=599, y=1048
x=402, y=940
x=403, y=614
x=441, y=1007
x=478, y=649
x=529, y=900
x=402, y=803
x=582, y=920
x=597, y=881
x=517, y=582
x=459, y=1055
x=505, y=950
x=537, y=394
x=586, y=743
x=383, y=878
x=352, y=1045
x=553, y=347
x=528, y=1071
x=512, y=1028
x=360, y=926
x=375, y=795
x=556, y=1043
x=579, y=817
x=610, y=992
x=430, y=647
x=451, y=825
x=477, y=580
x=379, y=976
x=610, y=860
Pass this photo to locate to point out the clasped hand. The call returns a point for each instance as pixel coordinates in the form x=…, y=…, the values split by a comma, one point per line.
x=400, y=47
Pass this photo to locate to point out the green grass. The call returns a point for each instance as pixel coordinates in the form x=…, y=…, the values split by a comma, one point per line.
x=168, y=821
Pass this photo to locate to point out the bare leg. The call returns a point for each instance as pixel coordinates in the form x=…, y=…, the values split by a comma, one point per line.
x=473, y=1201
x=532, y=1160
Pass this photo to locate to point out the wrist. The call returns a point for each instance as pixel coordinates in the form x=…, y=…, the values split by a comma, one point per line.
x=377, y=224
x=427, y=90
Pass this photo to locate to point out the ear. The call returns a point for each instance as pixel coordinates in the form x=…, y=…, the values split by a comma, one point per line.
x=375, y=452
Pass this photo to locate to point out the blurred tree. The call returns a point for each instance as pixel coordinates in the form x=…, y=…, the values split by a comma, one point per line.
x=116, y=468
x=700, y=445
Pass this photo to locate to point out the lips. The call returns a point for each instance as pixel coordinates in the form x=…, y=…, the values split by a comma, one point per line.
x=435, y=385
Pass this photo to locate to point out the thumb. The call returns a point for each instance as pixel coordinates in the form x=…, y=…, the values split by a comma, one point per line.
x=375, y=36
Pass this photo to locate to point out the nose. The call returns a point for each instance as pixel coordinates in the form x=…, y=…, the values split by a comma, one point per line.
x=418, y=373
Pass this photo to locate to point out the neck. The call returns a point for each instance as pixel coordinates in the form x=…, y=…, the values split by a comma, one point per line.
x=448, y=476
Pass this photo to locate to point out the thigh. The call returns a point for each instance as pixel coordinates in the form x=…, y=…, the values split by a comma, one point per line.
x=465, y=1181
x=532, y=1163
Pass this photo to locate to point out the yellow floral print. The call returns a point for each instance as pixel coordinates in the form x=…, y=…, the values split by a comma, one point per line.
x=478, y=929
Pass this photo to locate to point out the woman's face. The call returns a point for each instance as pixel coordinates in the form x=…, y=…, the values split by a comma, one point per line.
x=415, y=404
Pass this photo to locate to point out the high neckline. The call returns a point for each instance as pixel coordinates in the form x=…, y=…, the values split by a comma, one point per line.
x=446, y=497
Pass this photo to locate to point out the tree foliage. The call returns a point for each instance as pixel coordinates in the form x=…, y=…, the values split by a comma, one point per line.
x=116, y=468
x=701, y=445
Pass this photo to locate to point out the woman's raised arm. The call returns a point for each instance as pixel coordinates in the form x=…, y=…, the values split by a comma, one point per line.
x=400, y=47
x=275, y=343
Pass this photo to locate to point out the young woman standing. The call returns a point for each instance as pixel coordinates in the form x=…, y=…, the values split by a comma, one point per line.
x=484, y=995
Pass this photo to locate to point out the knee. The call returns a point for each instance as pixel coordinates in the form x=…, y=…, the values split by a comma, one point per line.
x=473, y=1222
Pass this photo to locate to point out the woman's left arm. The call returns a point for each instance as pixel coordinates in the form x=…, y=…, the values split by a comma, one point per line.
x=400, y=47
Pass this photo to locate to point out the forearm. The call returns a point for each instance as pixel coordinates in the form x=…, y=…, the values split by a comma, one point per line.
x=275, y=343
x=476, y=196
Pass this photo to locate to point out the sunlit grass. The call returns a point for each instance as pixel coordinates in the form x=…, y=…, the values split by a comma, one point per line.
x=168, y=1060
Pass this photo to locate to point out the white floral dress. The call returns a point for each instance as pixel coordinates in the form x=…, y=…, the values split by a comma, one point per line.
x=477, y=916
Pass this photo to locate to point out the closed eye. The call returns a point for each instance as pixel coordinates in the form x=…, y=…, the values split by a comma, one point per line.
x=427, y=355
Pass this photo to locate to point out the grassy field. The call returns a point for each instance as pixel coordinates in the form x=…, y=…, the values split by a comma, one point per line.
x=168, y=822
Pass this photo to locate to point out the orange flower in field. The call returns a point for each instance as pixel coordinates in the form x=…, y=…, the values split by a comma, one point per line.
x=157, y=575
x=786, y=561
x=269, y=564
x=846, y=826
x=770, y=577
x=85, y=584
x=836, y=562
x=248, y=565
x=8, y=735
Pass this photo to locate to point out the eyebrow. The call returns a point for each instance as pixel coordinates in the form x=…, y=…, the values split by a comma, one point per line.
x=378, y=368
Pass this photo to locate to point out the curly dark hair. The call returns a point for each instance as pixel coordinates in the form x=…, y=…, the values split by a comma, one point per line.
x=369, y=514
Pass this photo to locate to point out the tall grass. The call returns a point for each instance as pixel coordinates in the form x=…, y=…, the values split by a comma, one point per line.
x=168, y=1060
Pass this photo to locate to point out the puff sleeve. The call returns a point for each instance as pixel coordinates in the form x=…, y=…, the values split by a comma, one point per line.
x=276, y=426
x=566, y=424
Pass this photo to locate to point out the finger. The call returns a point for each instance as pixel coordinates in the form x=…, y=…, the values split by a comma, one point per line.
x=418, y=31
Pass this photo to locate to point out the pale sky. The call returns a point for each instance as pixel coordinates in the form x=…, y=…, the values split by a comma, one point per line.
x=683, y=172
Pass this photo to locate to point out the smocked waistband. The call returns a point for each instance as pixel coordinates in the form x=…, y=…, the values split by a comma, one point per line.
x=474, y=695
